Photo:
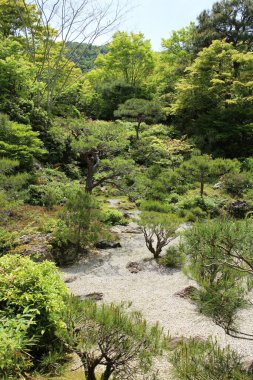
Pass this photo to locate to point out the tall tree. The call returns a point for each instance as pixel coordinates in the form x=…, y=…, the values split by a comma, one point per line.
x=231, y=20
x=130, y=59
x=214, y=101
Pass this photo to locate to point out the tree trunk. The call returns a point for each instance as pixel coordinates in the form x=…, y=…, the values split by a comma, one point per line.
x=108, y=371
x=137, y=130
x=201, y=188
x=90, y=373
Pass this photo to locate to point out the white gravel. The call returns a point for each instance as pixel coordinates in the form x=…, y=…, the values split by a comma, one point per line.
x=152, y=291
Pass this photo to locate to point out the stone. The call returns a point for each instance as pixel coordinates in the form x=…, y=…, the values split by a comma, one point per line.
x=93, y=296
x=70, y=279
x=238, y=209
x=247, y=365
x=103, y=244
x=217, y=186
x=134, y=267
x=187, y=292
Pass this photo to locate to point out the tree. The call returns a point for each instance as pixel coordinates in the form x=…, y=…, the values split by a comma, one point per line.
x=204, y=169
x=19, y=142
x=171, y=62
x=220, y=260
x=158, y=229
x=129, y=60
x=46, y=36
x=140, y=110
x=120, y=342
x=229, y=20
x=11, y=185
x=213, y=102
x=98, y=147
x=80, y=215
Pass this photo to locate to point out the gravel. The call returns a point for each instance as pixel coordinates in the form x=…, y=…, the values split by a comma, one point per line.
x=151, y=291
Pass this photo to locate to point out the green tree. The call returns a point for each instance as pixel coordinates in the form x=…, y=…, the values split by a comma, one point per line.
x=220, y=260
x=140, y=111
x=130, y=59
x=19, y=142
x=204, y=169
x=213, y=102
x=80, y=215
x=229, y=20
x=195, y=359
x=100, y=150
x=159, y=230
x=120, y=342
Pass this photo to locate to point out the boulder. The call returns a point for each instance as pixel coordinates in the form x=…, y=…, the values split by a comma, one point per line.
x=103, y=244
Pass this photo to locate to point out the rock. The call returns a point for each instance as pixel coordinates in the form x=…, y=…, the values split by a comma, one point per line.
x=93, y=296
x=70, y=279
x=134, y=267
x=238, y=209
x=217, y=186
x=36, y=246
x=187, y=292
x=247, y=365
x=103, y=244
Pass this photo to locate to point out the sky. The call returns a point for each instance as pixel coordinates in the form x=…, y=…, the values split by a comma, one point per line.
x=157, y=18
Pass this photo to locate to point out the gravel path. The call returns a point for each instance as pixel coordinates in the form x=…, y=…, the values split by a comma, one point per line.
x=152, y=291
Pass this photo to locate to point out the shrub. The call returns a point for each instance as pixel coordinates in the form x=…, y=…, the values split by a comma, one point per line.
x=34, y=289
x=152, y=205
x=196, y=360
x=14, y=346
x=7, y=240
x=173, y=258
x=158, y=229
x=113, y=217
x=237, y=183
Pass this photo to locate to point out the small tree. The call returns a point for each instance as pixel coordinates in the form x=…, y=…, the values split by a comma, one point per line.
x=97, y=146
x=158, y=229
x=204, y=169
x=122, y=343
x=220, y=260
x=140, y=111
x=80, y=215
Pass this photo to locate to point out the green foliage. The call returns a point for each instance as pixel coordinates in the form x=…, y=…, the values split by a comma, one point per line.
x=15, y=345
x=7, y=240
x=140, y=110
x=79, y=226
x=196, y=360
x=153, y=205
x=220, y=77
x=113, y=218
x=173, y=258
x=237, y=183
x=108, y=333
x=220, y=256
x=158, y=229
x=32, y=296
x=222, y=22
x=19, y=142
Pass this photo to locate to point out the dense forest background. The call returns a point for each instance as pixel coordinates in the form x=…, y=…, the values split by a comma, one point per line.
x=169, y=132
